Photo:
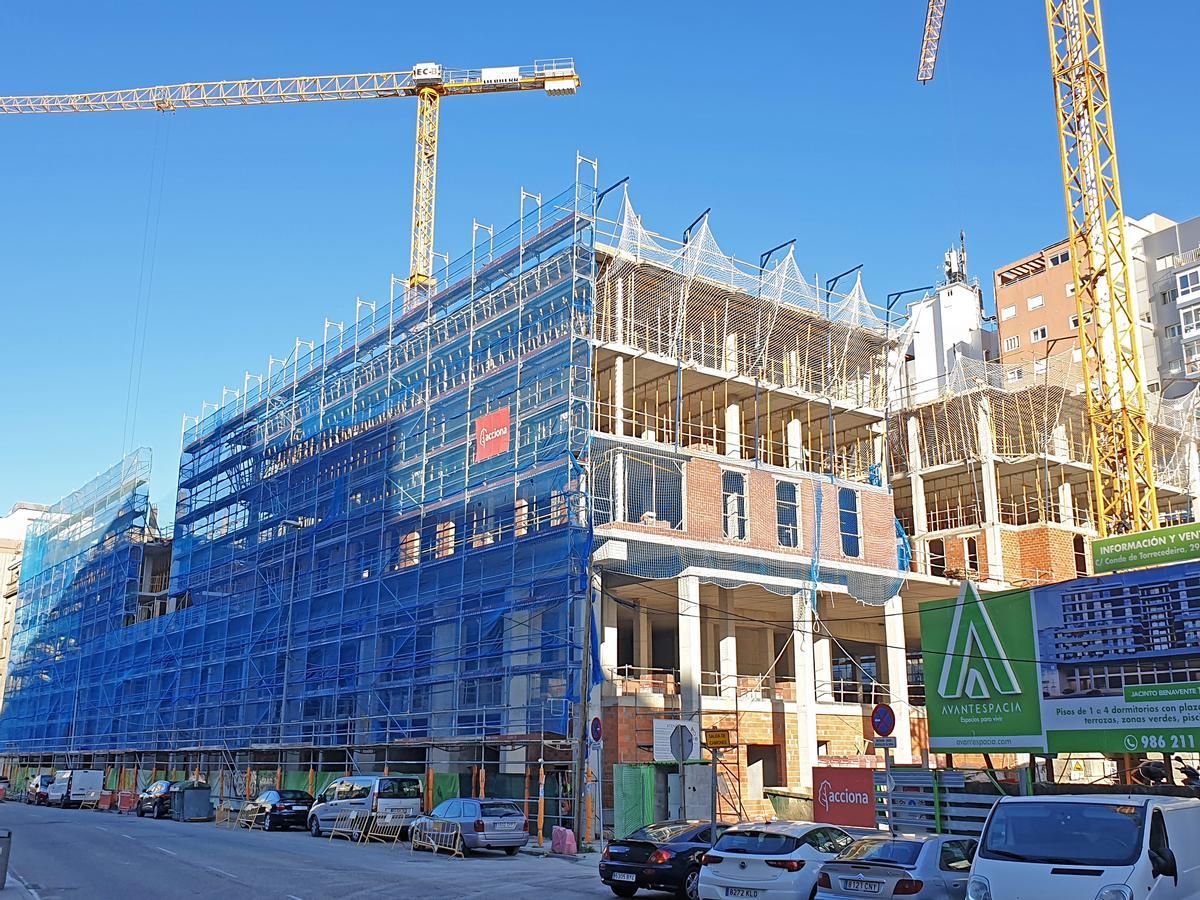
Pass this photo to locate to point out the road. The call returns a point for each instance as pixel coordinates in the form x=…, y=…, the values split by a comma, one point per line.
x=83, y=853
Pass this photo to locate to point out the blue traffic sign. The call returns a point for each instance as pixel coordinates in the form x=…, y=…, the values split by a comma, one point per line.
x=883, y=719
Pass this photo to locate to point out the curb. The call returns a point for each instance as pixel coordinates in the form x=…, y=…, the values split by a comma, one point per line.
x=14, y=886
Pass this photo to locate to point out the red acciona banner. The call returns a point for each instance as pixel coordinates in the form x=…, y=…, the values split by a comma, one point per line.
x=844, y=796
x=492, y=434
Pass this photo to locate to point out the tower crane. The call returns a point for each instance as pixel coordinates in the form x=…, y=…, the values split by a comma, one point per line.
x=427, y=82
x=1123, y=485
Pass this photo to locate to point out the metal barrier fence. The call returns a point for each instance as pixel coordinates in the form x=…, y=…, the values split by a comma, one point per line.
x=437, y=835
x=387, y=828
x=350, y=824
x=926, y=801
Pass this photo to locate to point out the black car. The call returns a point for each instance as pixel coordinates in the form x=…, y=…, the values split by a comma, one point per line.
x=664, y=856
x=155, y=800
x=281, y=809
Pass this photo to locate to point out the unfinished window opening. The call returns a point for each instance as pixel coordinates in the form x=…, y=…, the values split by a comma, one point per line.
x=558, y=509
x=848, y=522
x=410, y=549
x=1081, y=561
x=733, y=502
x=786, y=514
x=971, y=553
x=445, y=540
x=937, y=558
x=521, y=518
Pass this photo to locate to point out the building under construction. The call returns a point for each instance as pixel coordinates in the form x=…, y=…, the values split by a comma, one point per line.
x=600, y=474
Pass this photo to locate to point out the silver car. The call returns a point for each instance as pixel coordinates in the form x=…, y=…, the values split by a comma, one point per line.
x=916, y=867
x=483, y=824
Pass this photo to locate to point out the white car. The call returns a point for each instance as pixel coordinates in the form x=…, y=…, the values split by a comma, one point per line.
x=770, y=860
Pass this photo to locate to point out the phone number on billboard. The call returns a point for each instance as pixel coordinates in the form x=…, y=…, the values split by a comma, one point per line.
x=1160, y=742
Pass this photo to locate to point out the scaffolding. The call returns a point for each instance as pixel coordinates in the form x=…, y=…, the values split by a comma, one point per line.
x=384, y=541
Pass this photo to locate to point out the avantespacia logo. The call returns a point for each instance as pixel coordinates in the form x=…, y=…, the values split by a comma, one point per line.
x=976, y=666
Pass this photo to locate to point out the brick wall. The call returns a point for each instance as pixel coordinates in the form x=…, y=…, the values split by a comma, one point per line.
x=705, y=515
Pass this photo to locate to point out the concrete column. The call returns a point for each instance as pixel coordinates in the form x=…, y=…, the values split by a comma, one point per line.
x=1066, y=503
x=642, y=640
x=806, y=719
x=990, y=490
x=823, y=669
x=916, y=486
x=794, y=444
x=608, y=634
x=726, y=628
x=1059, y=446
x=730, y=362
x=897, y=668
x=689, y=644
x=618, y=469
x=733, y=430
x=1193, y=468
x=619, y=311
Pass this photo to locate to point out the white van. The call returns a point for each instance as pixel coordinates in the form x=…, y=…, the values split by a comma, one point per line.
x=1089, y=847
x=369, y=794
x=71, y=787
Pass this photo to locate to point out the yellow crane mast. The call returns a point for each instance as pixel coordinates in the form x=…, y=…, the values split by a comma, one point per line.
x=1122, y=454
x=427, y=82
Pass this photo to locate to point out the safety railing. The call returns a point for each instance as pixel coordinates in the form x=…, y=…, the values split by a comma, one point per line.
x=438, y=835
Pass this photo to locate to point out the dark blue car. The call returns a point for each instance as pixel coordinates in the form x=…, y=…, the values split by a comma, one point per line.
x=664, y=856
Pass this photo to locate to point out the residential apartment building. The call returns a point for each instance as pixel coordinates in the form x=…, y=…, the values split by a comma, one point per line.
x=1036, y=315
x=13, y=528
x=1173, y=298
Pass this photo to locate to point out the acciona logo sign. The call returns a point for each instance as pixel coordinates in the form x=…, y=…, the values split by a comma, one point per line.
x=828, y=795
x=976, y=666
x=492, y=434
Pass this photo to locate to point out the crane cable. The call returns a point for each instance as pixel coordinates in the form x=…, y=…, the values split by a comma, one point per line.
x=145, y=287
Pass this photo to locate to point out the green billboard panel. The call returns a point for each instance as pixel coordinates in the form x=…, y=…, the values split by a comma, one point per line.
x=1108, y=665
x=1164, y=546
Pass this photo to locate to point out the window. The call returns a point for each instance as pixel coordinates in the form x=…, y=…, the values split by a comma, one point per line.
x=1015, y=375
x=521, y=518
x=971, y=553
x=1037, y=335
x=410, y=549
x=1077, y=355
x=1162, y=263
x=1081, y=561
x=1060, y=258
x=956, y=856
x=445, y=540
x=1039, y=367
x=937, y=558
x=1175, y=366
x=1169, y=296
x=1012, y=343
x=733, y=504
x=1189, y=282
x=848, y=521
x=1189, y=320
x=1173, y=331
x=1070, y=289
x=1074, y=323
x=1035, y=302
x=786, y=514
x=1008, y=312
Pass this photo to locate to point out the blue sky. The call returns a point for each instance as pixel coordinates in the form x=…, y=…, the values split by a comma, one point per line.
x=796, y=119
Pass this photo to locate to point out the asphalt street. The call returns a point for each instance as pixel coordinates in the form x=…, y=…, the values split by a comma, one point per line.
x=75, y=854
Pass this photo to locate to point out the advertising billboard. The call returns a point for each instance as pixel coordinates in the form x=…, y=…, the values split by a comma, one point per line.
x=1108, y=664
x=844, y=796
x=1150, y=548
x=492, y=434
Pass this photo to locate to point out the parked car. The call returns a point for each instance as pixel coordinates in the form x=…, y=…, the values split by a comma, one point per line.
x=71, y=787
x=483, y=824
x=768, y=860
x=1088, y=847
x=664, y=856
x=921, y=867
x=368, y=793
x=155, y=800
x=37, y=791
x=282, y=809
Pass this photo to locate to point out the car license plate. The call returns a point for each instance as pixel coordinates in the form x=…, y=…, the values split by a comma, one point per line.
x=624, y=876
x=300, y=808
x=741, y=892
x=506, y=826
x=865, y=887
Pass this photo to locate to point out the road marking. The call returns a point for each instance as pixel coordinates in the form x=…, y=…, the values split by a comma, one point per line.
x=165, y=850
x=25, y=884
x=129, y=836
x=223, y=872
x=292, y=897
